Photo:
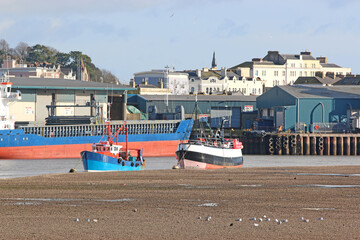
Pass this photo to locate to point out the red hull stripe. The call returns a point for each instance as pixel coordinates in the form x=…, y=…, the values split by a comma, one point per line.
x=150, y=149
x=212, y=166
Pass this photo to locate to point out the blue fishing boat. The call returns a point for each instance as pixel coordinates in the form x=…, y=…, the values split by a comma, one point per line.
x=111, y=156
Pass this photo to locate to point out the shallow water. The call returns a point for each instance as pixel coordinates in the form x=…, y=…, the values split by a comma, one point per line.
x=22, y=168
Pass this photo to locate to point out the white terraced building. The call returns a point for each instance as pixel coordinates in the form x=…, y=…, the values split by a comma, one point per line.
x=283, y=69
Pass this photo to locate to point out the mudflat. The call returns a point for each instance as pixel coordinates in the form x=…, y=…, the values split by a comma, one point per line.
x=309, y=203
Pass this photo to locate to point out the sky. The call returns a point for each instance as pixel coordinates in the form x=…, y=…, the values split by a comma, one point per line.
x=129, y=36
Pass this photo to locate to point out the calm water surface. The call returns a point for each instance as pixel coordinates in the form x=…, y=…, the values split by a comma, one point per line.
x=22, y=168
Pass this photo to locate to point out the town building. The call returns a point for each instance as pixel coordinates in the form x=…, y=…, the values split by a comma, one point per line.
x=284, y=69
x=209, y=81
x=148, y=89
x=37, y=70
x=176, y=82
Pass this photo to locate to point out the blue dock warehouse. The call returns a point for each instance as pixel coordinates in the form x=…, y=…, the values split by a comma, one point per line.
x=312, y=108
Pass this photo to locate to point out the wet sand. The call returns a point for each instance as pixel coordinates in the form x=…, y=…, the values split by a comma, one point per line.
x=168, y=204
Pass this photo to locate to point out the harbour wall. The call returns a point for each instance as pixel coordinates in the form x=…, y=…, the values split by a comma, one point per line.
x=302, y=144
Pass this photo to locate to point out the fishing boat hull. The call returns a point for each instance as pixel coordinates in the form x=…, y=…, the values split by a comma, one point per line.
x=208, y=157
x=96, y=162
x=156, y=138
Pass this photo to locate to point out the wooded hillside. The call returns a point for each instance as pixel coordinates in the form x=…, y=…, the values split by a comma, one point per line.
x=45, y=54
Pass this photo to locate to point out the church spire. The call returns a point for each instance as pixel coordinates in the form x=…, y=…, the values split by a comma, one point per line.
x=213, y=64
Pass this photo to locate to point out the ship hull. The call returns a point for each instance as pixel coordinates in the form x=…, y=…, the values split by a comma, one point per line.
x=16, y=144
x=95, y=162
x=151, y=149
x=208, y=157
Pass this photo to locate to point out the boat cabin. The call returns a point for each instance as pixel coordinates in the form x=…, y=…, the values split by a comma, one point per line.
x=106, y=148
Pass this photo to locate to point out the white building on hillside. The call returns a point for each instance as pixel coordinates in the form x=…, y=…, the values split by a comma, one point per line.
x=283, y=69
x=176, y=82
x=214, y=81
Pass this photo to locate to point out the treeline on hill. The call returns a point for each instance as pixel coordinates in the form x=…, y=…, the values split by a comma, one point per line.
x=41, y=54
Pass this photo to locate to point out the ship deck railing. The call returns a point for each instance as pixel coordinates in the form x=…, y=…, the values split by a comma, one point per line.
x=134, y=127
x=212, y=142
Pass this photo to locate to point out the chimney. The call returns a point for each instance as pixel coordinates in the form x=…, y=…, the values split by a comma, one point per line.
x=198, y=72
x=132, y=83
x=322, y=59
x=223, y=72
x=160, y=83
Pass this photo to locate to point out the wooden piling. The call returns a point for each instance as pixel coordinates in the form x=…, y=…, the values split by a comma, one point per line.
x=333, y=145
x=312, y=145
x=306, y=145
x=300, y=143
x=327, y=146
x=347, y=146
x=340, y=146
x=353, y=145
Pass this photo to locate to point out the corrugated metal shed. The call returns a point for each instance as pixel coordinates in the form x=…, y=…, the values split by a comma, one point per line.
x=55, y=83
x=205, y=102
x=309, y=104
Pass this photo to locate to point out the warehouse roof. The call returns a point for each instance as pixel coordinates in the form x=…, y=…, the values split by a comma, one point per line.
x=318, y=91
x=227, y=98
x=56, y=83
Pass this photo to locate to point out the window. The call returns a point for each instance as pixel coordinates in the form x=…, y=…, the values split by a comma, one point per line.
x=293, y=65
x=276, y=73
x=313, y=65
x=300, y=74
x=264, y=72
x=305, y=65
x=256, y=72
x=192, y=89
x=283, y=73
x=207, y=90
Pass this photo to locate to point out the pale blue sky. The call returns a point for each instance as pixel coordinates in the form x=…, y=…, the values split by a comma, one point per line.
x=128, y=36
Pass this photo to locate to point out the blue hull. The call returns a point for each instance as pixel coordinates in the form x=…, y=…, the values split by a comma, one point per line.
x=94, y=162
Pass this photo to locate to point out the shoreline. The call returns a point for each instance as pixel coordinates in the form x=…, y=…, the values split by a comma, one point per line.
x=163, y=204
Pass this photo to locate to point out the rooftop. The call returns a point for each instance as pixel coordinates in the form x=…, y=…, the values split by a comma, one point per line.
x=56, y=83
x=319, y=91
x=227, y=98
